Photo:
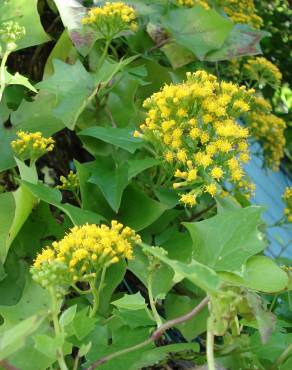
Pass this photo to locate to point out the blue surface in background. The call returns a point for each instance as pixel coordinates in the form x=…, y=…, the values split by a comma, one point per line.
x=270, y=187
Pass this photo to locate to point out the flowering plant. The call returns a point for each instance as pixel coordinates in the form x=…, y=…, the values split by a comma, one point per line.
x=131, y=234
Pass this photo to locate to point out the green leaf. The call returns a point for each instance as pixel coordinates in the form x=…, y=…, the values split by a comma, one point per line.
x=26, y=15
x=120, y=137
x=177, y=54
x=226, y=241
x=114, y=276
x=136, y=318
x=83, y=324
x=137, y=166
x=72, y=85
x=13, y=339
x=242, y=40
x=11, y=287
x=122, y=101
x=137, y=210
x=7, y=210
x=263, y=274
x=271, y=350
x=19, y=206
x=68, y=315
x=63, y=50
x=156, y=355
x=111, y=179
x=178, y=305
x=48, y=345
x=84, y=349
x=259, y=273
x=130, y=302
x=77, y=215
x=27, y=306
x=18, y=79
x=197, y=29
x=197, y=273
x=30, y=116
x=120, y=340
x=139, y=265
x=92, y=198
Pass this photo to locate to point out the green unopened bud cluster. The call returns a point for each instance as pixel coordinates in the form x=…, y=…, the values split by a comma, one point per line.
x=70, y=182
x=53, y=275
x=10, y=33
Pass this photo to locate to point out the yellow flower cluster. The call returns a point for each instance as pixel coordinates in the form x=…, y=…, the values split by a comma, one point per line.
x=82, y=253
x=70, y=182
x=262, y=70
x=268, y=129
x=111, y=19
x=287, y=197
x=31, y=145
x=193, y=125
x=243, y=11
x=191, y=3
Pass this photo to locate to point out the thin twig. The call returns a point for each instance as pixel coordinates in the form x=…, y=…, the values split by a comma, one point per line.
x=155, y=335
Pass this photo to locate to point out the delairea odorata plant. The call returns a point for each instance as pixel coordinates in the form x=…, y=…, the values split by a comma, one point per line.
x=80, y=261
x=193, y=126
x=192, y=292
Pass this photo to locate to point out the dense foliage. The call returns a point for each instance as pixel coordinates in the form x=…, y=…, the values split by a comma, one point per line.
x=129, y=238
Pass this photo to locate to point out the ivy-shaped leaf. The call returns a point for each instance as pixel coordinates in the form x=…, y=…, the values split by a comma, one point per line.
x=197, y=29
x=226, y=241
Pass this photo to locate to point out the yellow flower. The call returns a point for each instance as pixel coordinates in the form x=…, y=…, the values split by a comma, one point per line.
x=182, y=156
x=111, y=19
x=211, y=189
x=31, y=145
x=71, y=182
x=241, y=106
x=85, y=251
x=243, y=11
x=188, y=199
x=192, y=175
x=191, y=3
x=217, y=173
x=201, y=129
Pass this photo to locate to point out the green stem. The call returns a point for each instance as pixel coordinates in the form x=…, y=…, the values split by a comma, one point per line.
x=104, y=54
x=96, y=292
x=77, y=198
x=210, y=350
x=57, y=328
x=151, y=300
x=80, y=291
x=76, y=361
x=2, y=73
x=282, y=358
